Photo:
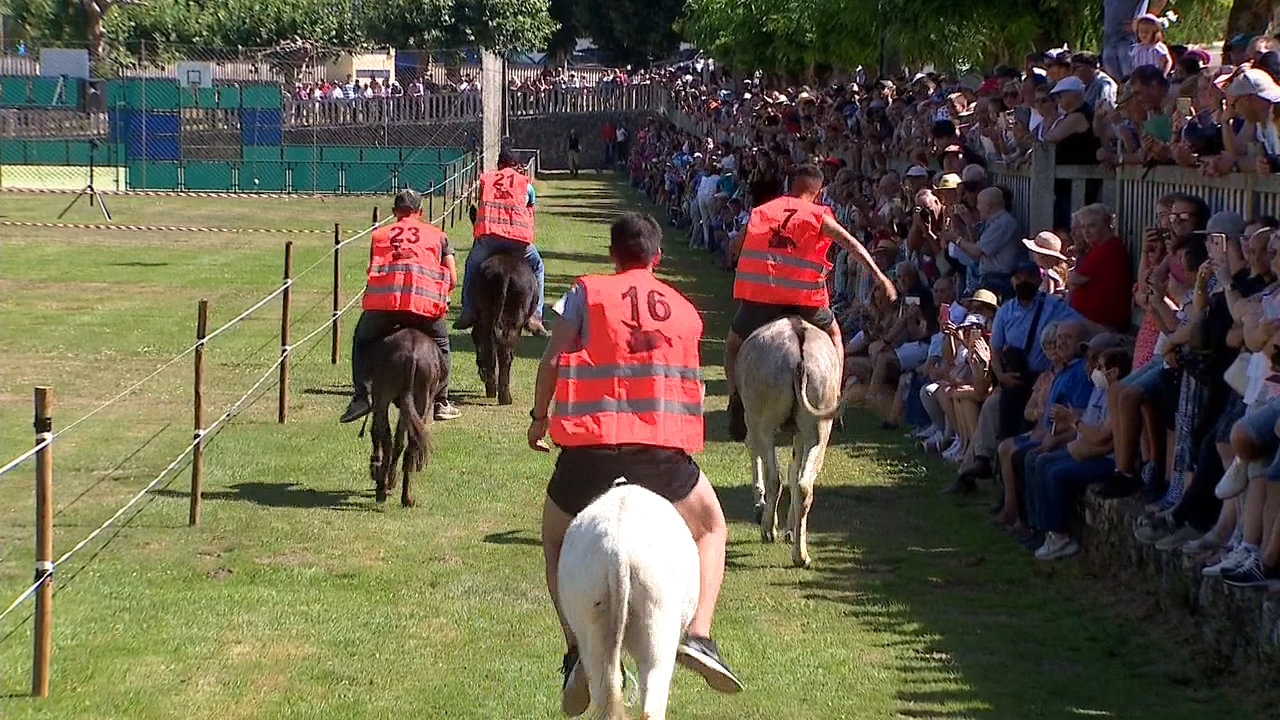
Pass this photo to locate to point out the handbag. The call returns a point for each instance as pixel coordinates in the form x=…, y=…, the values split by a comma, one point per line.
x=1237, y=376
x=1015, y=360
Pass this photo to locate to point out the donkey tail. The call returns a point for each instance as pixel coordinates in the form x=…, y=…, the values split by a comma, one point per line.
x=801, y=382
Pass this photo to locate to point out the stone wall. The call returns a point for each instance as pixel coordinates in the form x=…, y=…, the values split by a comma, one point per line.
x=547, y=133
x=1236, y=629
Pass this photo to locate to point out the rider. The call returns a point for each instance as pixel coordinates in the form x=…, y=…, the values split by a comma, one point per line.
x=782, y=270
x=503, y=222
x=411, y=272
x=629, y=325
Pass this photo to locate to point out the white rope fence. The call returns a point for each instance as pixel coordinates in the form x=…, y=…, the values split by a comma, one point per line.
x=33, y=451
x=47, y=572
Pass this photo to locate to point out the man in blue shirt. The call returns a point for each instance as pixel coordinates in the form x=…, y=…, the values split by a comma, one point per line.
x=1071, y=388
x=1015, y=332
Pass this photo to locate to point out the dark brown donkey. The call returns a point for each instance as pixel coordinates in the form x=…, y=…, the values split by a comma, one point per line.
x=505, y=290
x=408, y=370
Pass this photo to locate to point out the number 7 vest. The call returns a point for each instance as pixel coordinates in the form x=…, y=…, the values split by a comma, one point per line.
x=784, y=255
x=504, y=209
x=637, y=378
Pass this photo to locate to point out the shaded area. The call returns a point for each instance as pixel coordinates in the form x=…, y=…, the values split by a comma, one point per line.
x=282, y=495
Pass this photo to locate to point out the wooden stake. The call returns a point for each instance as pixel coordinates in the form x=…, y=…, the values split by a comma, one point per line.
x=335, y=322
x=197, y=411
x=286, y=303
x=43, y=649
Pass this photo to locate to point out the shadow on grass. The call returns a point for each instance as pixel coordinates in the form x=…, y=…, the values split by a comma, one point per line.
x=281, y=495
x=518, y=536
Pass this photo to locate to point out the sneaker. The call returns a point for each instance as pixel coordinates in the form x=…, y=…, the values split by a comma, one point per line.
x=1234, y=560
x=1251, y=574
x=1118, y=486
x=1209, y=542
x=1151, y=530
x=575, y=694
x=700, y=655
x=952, y=454
x=923, y=432
x=358, y=408
x=933, y=443
x=535, y=326
x=446, y=411
x=1033, y=540
x=1057, y=545
x=737, y=419
x=1182, y=536
x=465, y=320
x=1234, y=481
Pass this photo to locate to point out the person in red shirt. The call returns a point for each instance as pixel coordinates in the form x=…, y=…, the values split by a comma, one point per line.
x=1100, y=286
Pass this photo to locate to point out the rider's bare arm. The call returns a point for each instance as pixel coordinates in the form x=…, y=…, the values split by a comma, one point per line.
x=565, y=338
x=841, y=237
x=452, y=266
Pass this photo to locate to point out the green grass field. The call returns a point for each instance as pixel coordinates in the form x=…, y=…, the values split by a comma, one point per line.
x=296, y=599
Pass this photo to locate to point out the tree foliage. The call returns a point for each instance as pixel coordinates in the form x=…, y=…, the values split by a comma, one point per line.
x=796, y=35
x=632, y=32
x=499, y=25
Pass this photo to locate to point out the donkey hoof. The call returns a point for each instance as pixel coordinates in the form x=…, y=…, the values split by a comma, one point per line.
x=802, y=562
x=788, y=537
x=406, y=503
x=768, y=536
x=505, y=400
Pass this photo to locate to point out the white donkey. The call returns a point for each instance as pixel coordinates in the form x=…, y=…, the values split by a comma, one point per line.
x=789, y=377
x=629, y=580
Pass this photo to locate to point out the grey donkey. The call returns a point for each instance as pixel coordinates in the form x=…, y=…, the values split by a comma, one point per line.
x=789, y=376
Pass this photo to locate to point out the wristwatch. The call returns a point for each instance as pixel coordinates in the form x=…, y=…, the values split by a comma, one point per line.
x=534, y=417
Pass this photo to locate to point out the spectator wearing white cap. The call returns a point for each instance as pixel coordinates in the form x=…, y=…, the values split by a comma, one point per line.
x=1252, y=96
x=1072, y=130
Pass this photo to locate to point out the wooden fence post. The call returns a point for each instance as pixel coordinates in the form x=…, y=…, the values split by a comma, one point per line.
x=43, y=632
x=197, y=407
x=282, y=412
x=335, y=322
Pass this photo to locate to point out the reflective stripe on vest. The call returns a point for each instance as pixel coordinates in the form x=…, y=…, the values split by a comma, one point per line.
x=405, y=273
x=601, y=372
x=504, y=217
x=783, y=258
x=629, y=406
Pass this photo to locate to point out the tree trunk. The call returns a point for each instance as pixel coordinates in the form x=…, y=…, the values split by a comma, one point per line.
x=94, y=11
x=1251, y=17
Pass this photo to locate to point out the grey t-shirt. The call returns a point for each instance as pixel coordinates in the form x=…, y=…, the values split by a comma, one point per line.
x=1001, y=244
x=575, y=313
x=1115, y=13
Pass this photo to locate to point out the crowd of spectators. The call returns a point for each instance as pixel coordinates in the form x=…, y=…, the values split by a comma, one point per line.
x=1046, y=361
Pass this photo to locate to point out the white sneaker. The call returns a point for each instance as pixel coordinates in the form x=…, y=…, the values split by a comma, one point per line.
x=1239, y=557
x=924, y=432
x=1234, y=481
x=952, y=453
x=1057, y=545
x=933, y=443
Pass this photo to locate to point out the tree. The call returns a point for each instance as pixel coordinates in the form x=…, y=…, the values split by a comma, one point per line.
x=498, y=25
x=632, y=32
x=565, y=39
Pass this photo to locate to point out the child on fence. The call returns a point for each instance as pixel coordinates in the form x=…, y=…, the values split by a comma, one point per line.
x=1150, y=48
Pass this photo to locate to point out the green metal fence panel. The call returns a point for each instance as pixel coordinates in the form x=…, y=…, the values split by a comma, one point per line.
x=369, y=177
x=389, y=155
x=153, y=175
x=228, y=96
x=152, y=94
x=303, y=153
x=208, y=175
x=13, y=152
x=260, y=153
x=269, y=177
x=340, y=154
x=420, y=176
x=261, y=96
x=326, y=178
x=15, y=90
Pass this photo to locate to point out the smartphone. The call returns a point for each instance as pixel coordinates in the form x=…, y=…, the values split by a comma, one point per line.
x=1219, y=241
x=911, y=300
x=1184, y=106
x=944, y=313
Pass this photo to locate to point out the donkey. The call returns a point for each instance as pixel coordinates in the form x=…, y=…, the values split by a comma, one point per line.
x=628, y=579
x=408, y=372
x=504, y=291
x=789, y=374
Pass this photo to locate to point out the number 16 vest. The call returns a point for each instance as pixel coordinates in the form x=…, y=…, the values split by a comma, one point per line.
x=637, y=378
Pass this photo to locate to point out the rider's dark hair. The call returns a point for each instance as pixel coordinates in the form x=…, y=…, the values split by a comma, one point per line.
x=635, y=239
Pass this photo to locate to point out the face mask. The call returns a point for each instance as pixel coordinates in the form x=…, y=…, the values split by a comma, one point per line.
x=1026, y=290
x=1099, y=377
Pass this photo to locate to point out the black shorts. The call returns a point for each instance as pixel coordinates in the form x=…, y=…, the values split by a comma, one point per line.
x=752, y=316
x=583, y=474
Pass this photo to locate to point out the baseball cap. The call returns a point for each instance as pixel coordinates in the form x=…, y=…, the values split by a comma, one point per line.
x=1070, y=83
x=973, y=320
x=950, y=181
x=1255, y=82
x=917, y=171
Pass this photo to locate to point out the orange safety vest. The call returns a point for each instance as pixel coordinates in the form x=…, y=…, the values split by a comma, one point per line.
x=638, y=377
x=504, y=209
x=784, y=255
x=405, y=269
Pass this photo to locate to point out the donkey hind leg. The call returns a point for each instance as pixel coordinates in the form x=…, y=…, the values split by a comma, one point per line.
x=415, y=457
x=810, y=451
x=656, y=662
x=506, y=355
x=379, y=464
x=397, y=448
x=764, y=477
x=480, y=338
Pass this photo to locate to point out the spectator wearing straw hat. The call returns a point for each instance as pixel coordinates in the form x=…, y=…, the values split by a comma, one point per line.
x=1046, y=251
